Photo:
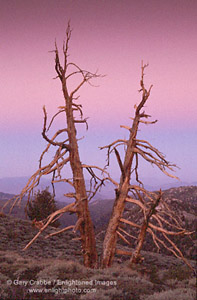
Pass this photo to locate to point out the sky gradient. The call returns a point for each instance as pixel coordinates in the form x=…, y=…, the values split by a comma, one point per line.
x=113, y=36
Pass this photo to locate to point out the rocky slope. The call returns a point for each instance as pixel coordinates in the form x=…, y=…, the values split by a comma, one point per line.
x=52, y=269
x=182, y=200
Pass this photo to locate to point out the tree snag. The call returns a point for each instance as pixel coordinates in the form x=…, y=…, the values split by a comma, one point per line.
x=137, y=195
x=65, y=141
x=157, y=218
x=144, y=227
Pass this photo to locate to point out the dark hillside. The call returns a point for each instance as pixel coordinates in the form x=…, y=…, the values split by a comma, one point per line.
x=183, y=200
x=51, y=269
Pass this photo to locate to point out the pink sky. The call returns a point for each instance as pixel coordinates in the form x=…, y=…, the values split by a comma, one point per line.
x=113, y=36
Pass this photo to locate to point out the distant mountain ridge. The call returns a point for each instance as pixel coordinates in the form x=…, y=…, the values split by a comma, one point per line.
x=14, y=185
x=184, y=198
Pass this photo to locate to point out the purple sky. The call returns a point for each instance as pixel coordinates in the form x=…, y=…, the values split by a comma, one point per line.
x=113, y=36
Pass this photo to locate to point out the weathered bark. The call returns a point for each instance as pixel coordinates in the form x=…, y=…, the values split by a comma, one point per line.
x=84, y=224
x=67, y=152
x=134, y=149
x=136, y=255
x=109, y=244
x=86, y=227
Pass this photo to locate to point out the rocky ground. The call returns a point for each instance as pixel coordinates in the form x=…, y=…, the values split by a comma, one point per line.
x=52, y=269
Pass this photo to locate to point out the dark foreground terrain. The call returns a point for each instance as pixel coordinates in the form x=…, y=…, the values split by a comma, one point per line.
x=52, y=269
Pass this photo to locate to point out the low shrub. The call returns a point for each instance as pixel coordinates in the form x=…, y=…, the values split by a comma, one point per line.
x=63, y=270
x=177, y=272
x=101, y=294
x=135, y=286
x=104, y=294
x=27, y=273
x=180, y=294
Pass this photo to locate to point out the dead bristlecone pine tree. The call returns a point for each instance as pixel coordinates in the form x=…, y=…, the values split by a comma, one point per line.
x=64, y=145
x=66, y=154
x=165, y=222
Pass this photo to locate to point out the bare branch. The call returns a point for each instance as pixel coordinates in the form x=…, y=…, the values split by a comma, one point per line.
x=69, y=207
x=160, y=164
x=157, y=216
x=136, y=170
x=119, y=142
x=110, y=148
x=166, y=231
x=55, y=115
x=119, y=161
x=82, y=121
x=63, y=180
x=123, y=238
x=139, y=203
x=147, y=145
x=137, y=188
x=125, y=232
x=125, y=127
x=179, y=252
x=62, y=145
x=129, y=223
x=108, y=177
x=78, y=224
x=79, y=108
x=176, y=249
x=59, y=231
x=123, y=252
x=155, y=238
x=58, y=66
x=145, y=93
x=141, y=121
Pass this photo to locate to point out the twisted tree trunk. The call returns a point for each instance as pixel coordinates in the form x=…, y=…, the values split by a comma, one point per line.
x=109, y=245
x=136, y=255
x=84, y=224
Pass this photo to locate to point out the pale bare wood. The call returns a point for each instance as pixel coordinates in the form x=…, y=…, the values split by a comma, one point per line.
x=144, y=122
x=160, y=164
x=123, y=238
x=103, y=171
x=145, y=200
x=145, y=224
x=59, y=231
x=78, y=224
x=138, y=202
x=176, y=251
x=179, y=252
x=65, y=143
x=129, y=223
x=63, y=180
x=166, y=231
x=69, y=207
x=37, y=224
x=67, y=152
x=123, y=252
x=76, y=239
x=125, y=127
x=157, y=216
x=125, y=232
x=154, y=237
x=119, y=141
